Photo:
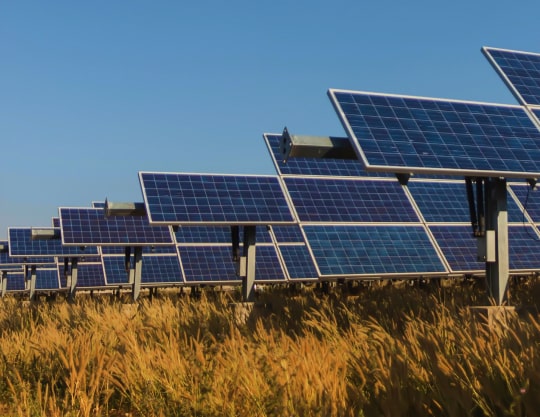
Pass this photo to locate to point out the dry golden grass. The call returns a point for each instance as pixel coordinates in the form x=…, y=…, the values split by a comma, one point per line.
x=385, y=351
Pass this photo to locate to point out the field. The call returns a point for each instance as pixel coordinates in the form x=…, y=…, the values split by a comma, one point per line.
x=394, y=350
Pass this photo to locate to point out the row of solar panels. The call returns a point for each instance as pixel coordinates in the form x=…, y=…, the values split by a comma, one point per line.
x=323, y=218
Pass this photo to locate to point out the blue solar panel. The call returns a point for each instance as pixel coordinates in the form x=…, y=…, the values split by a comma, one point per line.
x=161, y=269
x=298, y=262
x=56, y=222
x=446, y=202
x=120, y=250
x=459, y=247
x=115, y=271
x=214, y=199
x=410, y=134
x=89, y=226
x=523, y=247
x=288, y=234
x=530, y=200
x=216, y=234
x=16, y=281
x=313, y=166
x=22, y=245
x=98, y=204
x=47, y=279
x=214, y=264
x=372, y=250
x=519, y=70
x=340, y=200
x=89, y=275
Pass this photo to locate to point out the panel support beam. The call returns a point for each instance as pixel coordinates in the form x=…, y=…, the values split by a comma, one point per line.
x=31, y=283
x=137, y=273
x=124, y=209
x=497, y=273
x=295, y=146
x=73, y=275
x=4, y=283
x=248, y=278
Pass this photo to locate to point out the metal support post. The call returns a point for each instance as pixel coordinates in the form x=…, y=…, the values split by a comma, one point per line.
x=497, y=273
x=4, y=283
x=248, y=281
x=73, y=278
x=137, y=272
x=31, y=285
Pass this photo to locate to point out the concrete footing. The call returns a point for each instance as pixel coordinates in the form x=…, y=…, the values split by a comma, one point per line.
x=496, y=318
x=243, y=312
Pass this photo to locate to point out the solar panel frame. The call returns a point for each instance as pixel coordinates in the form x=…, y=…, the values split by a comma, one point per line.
x=89, y=226
x=437, y=136
x=518, y=72
x=178, y=199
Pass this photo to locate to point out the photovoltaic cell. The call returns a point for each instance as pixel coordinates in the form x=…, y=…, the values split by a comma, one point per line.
x=519, y=70
x=22, y=245
x=349, y=201
x=214, y=264
x=173, y=198
x=89, y=226
x=342, y=251
x=115, y=272
x=446, y=202
x=156, y=269
x=412, y=134
x=121, y=250
x=298, y=262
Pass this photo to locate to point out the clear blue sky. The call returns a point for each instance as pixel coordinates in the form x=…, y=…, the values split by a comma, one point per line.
x=91, y=92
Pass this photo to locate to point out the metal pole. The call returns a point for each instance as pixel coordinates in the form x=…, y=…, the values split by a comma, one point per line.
x=4, y=283
x=32, y=283
x=248, y=281
x=73, y=280
x=497, y=273
x=137, y=273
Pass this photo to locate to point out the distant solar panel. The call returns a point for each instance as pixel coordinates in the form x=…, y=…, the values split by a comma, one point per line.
x=16, y=281
x=530, y=200
x=348, y=251
x=349, y=201
x=182, y=199
x=288, y=234
x=519, y=70
x=433, y=136
x=213, y=264
x=446, y=202
x=47, y=279
x=313, y=166
x=89, y=226
x=56, y=222
x=21, y=244
x=524, y=247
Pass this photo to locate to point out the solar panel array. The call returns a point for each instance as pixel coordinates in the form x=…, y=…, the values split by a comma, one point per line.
x=322, y=218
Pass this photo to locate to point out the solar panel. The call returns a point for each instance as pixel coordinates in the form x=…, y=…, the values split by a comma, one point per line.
x=312, y=166
x=47, y=279
x=16, y=281
x=298, y=262
x=288, y=234
x=346, y=251
x=89, y=226
x=182, y=199
x=89, y=275
x=213, y=264
x=524, y=247
x=22, y=245
x=519, y=70
x=348, y=201
x=55, y=222
x=216, y=234
x=446, y=202
x=433, y=136
x=459, y=247
x=156, y=269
